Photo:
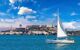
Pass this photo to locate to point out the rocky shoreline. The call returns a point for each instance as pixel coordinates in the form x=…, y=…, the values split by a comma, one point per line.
x=70, y=33
x=36, y=30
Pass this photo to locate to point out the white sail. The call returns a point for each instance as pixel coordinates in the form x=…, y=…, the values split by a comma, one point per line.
x=60, y=32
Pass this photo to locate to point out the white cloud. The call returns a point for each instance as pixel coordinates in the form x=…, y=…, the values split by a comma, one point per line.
x=12, y=1
x=69, y=25
x=20, y=0
x=73, y=25
x=12, y=5
x=2, y=20
x=55, y=14
x=15, y=7
x=22, y=21
x=6, y=15
x=34, y=12
x=27, y=17
x=73, y=13
x=48, y=21
x=24, y=10
x=7, y=20
x=14, y=22
x=2, y=14
x=79, y=4
x=6, y=23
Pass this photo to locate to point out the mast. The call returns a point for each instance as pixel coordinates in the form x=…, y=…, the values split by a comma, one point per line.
x=60, y=31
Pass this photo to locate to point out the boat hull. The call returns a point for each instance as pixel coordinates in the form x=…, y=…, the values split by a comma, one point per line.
x=60, y=41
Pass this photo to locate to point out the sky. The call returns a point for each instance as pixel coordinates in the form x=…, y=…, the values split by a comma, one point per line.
x=39, y=12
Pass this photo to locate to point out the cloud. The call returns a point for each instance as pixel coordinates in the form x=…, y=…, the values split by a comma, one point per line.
x=24, y=10
x=22, y=21
x=7, y=20
x=78, y=4
x=48, y=21
x=12, y=1
x=73, y=13
x=14, y=22
x=69, y=25
x=1, y=13
x=55, y=14
x=11, y=20
x=20, y=0
x=73, y=25
x=4, y=15
x=6, y=23
x=12, y=4
x=27, y=17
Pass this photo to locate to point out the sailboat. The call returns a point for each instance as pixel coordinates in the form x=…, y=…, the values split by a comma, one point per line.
x=61, y=34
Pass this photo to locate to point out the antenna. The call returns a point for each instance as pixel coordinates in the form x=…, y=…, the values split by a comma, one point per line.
x=58, y=16
x=58, y=13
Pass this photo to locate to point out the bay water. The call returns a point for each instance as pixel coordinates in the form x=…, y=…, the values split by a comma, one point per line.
x=35, y=42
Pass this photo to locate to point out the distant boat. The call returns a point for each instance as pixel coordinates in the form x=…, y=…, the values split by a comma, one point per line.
x=61, y=34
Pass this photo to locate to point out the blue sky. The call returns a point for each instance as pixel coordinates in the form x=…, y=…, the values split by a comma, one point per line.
x=27, y=12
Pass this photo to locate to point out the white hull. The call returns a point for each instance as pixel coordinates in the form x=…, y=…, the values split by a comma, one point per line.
x=60, y=41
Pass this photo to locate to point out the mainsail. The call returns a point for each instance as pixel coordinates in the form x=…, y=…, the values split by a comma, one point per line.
x=61, y=34
x=60, y=31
